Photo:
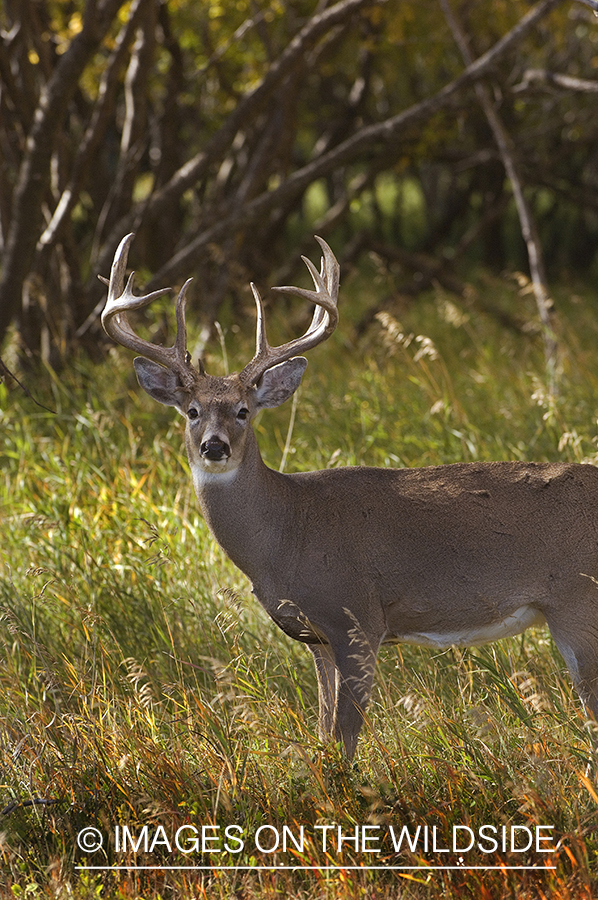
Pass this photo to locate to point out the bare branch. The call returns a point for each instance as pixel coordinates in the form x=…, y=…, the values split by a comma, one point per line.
x=555, y=79
x=526, y=217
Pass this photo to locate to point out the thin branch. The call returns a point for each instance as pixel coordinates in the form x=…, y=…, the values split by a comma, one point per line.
x=526, y=218
x=235, y=37
x=555, y=79
x=287, y=443
x=5, y=371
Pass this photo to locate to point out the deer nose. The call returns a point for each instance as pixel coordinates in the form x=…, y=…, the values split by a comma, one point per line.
x=214, y=448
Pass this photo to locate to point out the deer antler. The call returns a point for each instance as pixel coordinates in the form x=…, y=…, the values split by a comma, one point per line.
x=323, y=323
x=121, y=300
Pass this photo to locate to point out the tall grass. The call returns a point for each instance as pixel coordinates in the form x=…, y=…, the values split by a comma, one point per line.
x=141, y=685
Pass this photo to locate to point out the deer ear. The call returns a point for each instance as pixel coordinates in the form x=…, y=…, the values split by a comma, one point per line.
x=160, y=383
x=280, y=382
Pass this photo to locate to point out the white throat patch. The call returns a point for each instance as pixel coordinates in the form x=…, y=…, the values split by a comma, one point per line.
x=216, y=474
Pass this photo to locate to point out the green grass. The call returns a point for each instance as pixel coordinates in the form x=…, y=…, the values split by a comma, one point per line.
x=142, y=685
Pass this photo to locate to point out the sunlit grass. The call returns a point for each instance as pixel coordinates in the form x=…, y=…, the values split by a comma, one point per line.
x=142, y=685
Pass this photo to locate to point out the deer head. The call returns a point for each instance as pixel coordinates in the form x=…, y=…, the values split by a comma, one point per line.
x=219, y=410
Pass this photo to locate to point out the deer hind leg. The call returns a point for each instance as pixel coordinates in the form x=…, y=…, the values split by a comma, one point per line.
x=356, y=677
x=327, y=688
x=355, y=663
x=345, y=681
x=578, y=645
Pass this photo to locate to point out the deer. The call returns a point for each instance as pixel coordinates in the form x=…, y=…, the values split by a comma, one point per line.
x=350, y=558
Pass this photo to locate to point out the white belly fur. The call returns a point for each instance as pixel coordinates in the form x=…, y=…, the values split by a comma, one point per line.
x=514, y=623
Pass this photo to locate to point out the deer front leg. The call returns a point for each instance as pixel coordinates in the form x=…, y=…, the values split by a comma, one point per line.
x=577, y=641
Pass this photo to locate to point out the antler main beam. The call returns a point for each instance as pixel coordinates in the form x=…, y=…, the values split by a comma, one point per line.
x=121, y=300
x=323, y=323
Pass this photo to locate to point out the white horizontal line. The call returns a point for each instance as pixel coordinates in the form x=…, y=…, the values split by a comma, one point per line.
x=314, y=868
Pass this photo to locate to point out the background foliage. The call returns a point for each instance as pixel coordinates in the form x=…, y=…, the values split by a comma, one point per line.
x=224, y=133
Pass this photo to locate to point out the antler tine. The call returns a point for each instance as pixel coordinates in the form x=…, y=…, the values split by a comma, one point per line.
x=121, y=300
x=261, y=340
x=323, y=323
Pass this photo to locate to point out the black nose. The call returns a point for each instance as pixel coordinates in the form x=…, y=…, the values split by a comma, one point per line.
x=214, y=448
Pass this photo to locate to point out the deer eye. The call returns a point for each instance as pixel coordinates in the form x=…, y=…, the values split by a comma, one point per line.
x=243, y=413
x=192, y=412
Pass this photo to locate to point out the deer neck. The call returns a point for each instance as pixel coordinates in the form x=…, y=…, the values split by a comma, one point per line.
x=246, y=510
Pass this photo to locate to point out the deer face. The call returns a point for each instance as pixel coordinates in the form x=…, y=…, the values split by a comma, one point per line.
x=219, y=411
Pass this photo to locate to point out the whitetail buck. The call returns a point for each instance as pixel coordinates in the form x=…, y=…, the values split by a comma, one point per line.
x=350, y=558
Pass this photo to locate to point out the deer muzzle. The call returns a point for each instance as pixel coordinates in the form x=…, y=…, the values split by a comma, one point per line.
x=215, y=449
